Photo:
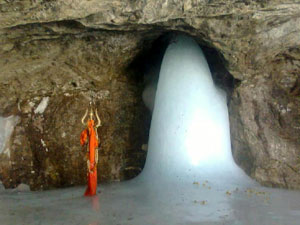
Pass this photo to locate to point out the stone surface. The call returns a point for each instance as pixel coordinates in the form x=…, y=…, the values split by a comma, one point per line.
x=48, y=84
x=68, y=50
x=265, y=124
x=22, y=188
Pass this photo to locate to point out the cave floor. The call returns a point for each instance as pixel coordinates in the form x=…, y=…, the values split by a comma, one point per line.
x=136, y=203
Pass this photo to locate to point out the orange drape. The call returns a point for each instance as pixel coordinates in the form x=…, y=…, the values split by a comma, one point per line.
x=89, y=136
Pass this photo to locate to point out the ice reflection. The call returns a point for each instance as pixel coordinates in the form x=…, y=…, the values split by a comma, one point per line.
x=94, y=223
x=94, y=202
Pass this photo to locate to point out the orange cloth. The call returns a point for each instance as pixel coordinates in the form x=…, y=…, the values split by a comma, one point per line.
x=89, y=135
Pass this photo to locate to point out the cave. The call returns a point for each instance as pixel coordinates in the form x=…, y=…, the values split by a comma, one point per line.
x=147, y=64
x=199, y=107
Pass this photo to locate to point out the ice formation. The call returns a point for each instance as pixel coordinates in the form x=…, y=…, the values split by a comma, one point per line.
x=42, y=106
x=149, y=95
x=150, y=80
x=7, y=125
x=189, y=133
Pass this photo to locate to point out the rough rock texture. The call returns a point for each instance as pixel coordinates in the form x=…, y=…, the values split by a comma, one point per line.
x=66, y=50
x=63, y=72
x=265, y=122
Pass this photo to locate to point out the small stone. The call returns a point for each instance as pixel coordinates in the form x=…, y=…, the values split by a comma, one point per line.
x=203, y=202
x=1, y=186
x=23, y=188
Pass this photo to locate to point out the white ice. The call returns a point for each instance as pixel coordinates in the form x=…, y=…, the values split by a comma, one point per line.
x=42, y=106
x=7, y=125
x=189, y=177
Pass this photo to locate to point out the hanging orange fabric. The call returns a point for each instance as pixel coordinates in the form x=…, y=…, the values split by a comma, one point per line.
x=89, y=136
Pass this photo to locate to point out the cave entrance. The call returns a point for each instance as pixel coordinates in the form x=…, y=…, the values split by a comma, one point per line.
x=148, y=65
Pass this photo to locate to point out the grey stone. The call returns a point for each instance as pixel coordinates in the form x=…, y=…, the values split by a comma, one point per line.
x=22, y=188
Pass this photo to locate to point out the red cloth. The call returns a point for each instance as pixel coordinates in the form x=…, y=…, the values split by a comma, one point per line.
x=89, y=134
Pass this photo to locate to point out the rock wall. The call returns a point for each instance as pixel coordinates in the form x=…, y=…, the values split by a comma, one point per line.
x=48, y=82
x=65, y=51
x=265, y=122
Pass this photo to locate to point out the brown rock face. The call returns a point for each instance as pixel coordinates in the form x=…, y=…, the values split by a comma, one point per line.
x=53, y=96
x=55, y=54
x=265, y=123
